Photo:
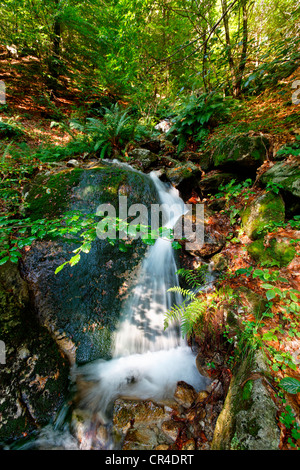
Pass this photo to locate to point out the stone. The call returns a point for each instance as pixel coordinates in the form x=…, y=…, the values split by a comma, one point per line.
x=143, y=158
x=184, y=176
x=185, y=394
x=73, y=163
x=211, y=182
x=80, y=305
x=34, y=379
x=171, y=429
x=140, y=439
x=241, y=153
x=265, y=209
x=248, y=420
x=273, y=253
x=213, y=239
x=286, y=174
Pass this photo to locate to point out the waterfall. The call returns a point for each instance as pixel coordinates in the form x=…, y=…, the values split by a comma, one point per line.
x=141, y=329
x=147, y=361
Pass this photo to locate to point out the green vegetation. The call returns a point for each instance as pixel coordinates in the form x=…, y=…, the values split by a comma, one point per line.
x=89, y=81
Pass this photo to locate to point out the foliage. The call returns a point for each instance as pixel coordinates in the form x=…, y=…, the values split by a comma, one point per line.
x=197, y=115
x=113, y=132
x=197, y=303
x=290, y=385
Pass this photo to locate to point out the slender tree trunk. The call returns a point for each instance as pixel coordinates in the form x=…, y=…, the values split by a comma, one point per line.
x=228, y=44
x=243, y=58
x=56, y=43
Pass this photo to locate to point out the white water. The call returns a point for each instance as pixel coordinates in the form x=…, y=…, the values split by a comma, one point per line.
x=148, y=361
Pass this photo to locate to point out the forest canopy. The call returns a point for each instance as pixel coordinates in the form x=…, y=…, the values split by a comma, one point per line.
x=147, y=50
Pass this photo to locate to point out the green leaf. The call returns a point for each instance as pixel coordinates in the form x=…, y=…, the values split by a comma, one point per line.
x=293, y=297
x=290, y=385
x=270, y=294
x=4, y=260
x=74, y=260
x=60, y=267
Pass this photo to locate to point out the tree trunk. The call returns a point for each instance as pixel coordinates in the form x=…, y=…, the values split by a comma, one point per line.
x=243, y=59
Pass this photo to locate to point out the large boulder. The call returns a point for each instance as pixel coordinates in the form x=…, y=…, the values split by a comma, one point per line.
x=272, y=252
x=266, y=208
x=80, y=305
x=242, y=153
x=286, y=175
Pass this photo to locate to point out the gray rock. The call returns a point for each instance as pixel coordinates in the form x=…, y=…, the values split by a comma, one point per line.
x=248, y=418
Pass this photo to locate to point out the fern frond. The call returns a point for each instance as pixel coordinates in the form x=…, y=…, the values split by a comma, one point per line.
x=195, y=278
x=184, y=292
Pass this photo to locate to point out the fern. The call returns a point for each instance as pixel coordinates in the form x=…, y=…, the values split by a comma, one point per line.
x=195, y=278
x=196, y=305
x=188, y=312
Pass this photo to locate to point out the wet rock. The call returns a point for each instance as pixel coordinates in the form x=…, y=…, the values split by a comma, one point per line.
x=127, y=413
x=171, y=429
x=80, y=305
x=189, y=445
x=139, y=425
x=140, y=439
x=185, y=394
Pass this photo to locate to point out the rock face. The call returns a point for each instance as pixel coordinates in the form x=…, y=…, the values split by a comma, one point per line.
x=81, y=305
x=248, y=419
x=243, y=153
x=34, y=378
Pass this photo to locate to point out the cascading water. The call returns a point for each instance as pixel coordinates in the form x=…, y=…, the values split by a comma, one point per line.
x=147, y=361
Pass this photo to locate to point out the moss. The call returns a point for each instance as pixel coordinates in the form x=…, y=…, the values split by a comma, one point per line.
x=248, y=151
x=49, y=196
x=267, y=208
x=275, y=254
x=246, y=395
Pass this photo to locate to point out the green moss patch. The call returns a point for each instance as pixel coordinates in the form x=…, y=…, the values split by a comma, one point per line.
x=267, y=208
x=275, y=254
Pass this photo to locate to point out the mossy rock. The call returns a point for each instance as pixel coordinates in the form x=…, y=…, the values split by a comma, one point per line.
x=82, y=303
x=211, y=182
x=248, y=418
x=286, y=175
x=277, y=253
x=267, y=208
x=243, y=152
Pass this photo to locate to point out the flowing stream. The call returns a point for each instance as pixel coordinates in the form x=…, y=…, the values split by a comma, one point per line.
x=147, y=360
